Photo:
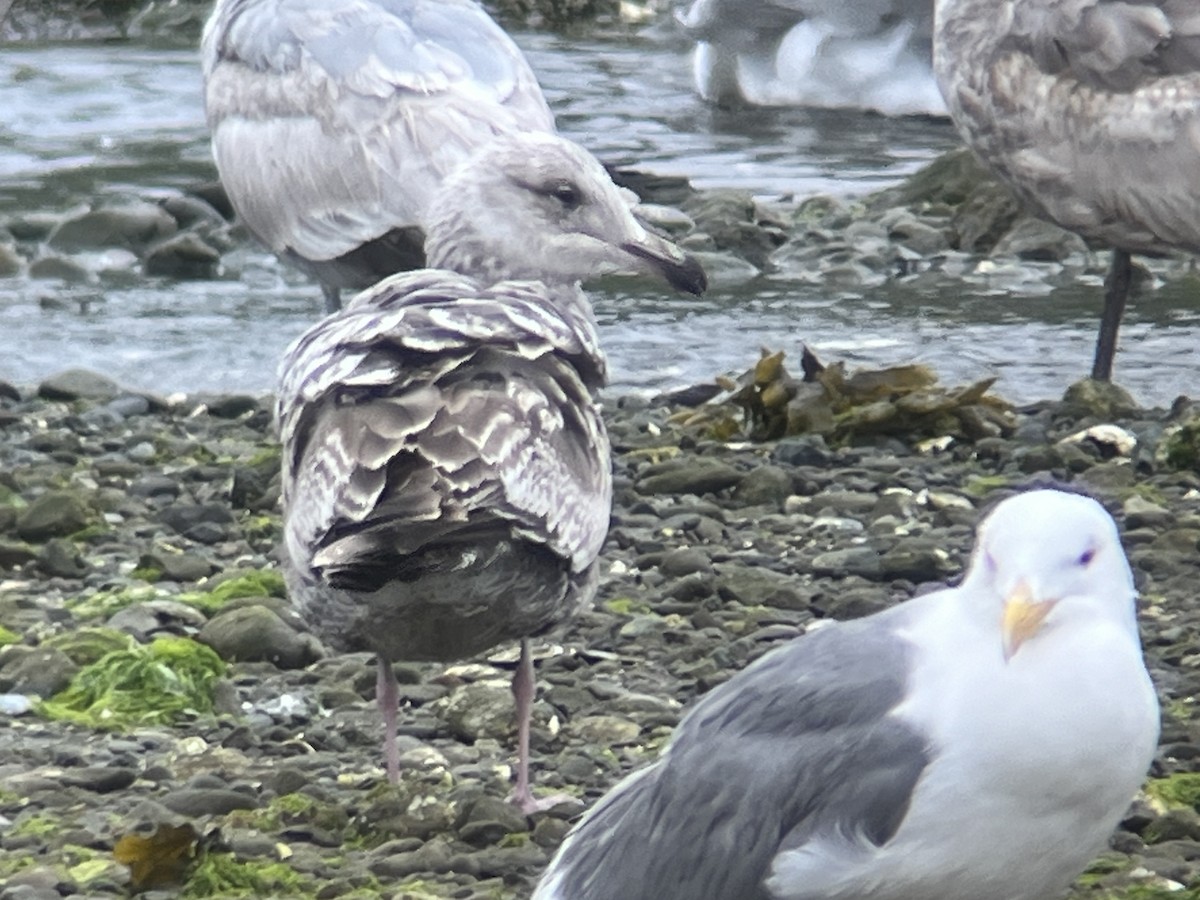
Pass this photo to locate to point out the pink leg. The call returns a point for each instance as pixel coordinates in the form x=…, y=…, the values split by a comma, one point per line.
x=523, y=691
x=523, y=688
x=387, y=695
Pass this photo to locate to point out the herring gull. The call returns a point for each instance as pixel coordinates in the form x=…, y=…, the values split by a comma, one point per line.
x=1090, y=111
x=866, y=54
x=981, y=741
x=446, y=472
x=334, y=122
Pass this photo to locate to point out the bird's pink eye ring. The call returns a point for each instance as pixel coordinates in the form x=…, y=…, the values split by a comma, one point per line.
x=1085, y=558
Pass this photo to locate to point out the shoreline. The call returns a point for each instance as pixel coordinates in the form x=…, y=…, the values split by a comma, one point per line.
x=156, y=520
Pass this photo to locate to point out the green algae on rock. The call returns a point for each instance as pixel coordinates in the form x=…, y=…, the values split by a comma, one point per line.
x=160, y=683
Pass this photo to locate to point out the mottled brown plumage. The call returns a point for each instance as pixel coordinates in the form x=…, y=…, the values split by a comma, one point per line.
x=1090, y=111
x=446, y=472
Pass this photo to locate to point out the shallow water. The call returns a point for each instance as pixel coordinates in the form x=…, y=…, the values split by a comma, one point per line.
x=111, y=120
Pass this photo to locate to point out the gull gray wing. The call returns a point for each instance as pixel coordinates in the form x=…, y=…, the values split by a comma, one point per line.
x=799, y=748
x=334, y=121
x=435, y=410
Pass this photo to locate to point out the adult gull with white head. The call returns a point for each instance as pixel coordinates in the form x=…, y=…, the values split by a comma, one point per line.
x=981, y=741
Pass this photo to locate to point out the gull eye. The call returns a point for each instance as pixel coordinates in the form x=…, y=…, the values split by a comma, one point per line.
x=565, y=193
x=1086, y=557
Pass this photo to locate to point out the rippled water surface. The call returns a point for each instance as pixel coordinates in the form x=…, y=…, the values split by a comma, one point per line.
x=112, y=120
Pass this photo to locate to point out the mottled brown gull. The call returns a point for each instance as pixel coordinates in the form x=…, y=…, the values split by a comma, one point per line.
x=1090, y=111
x=981, y=741
x=334, y=122
x=446, y=472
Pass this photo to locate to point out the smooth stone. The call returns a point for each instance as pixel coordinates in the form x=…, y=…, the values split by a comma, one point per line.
x=477, y=710
x=254, y=633
x=863, y=561
x=185, y=256
x=53, y=514
x=148, y=618
x=35, y=670
x=99, y=779
x=688, y=477
x=79, y=384
x=685, y=561
x=195, y=802
x=61, y=558
x=133, y=226
x=764, y=485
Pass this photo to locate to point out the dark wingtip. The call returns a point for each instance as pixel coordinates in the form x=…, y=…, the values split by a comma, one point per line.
x=689, y=276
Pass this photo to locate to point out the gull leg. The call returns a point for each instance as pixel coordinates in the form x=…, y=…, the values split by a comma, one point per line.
x=523, y=685
x=333, y=298
x=523, y=691
x=387, y=695
x=1116, y=292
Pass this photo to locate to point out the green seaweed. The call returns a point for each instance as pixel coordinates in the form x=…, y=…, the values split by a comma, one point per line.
x=88, y=645
x=7, y=636
x=1181, y=449
x=222, y=875
x=1176, y=791
x=626, y=606
x=262, y=583
x=153, y=684
x=147, y=573
x=103, y=604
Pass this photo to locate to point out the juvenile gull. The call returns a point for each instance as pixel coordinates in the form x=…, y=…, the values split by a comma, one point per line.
x=334, y=122
x=981, y=741
x=1090, y=111
x=867, y=54
x=446, y=472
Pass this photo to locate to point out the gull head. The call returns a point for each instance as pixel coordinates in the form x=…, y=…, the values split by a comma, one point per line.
x=537, y=206
x=1048, y=558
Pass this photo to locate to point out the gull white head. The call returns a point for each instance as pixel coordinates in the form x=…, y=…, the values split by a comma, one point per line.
x=1049, y=558
x=537, y=206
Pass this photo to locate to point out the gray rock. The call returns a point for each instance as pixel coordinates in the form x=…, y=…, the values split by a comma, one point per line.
x=53, y=267
x=183, y=255
x=478, y=710
x=688, y=477
x=53, y=514
x=205, y=522
x=79, y=384
x=153, y=617
x=133, y=226
x=35, y=670
x=764, y=486
x=155, y=485
x=1142, y=513
x=194, y=802
x=863, y=561
x=490, y=820
x=99, y=779
x=181, y=566
x=254, y=633
x=61, y=558
x=11, y=262
x=1039, y=241
x=685, y=561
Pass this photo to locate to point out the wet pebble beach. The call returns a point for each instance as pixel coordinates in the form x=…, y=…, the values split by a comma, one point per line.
x=137, y=562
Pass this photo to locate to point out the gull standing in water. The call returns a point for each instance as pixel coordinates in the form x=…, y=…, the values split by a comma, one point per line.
x=334, y=122
x=981, y=741
x=1090, y=111
x=446, y=473
x=865, y=54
